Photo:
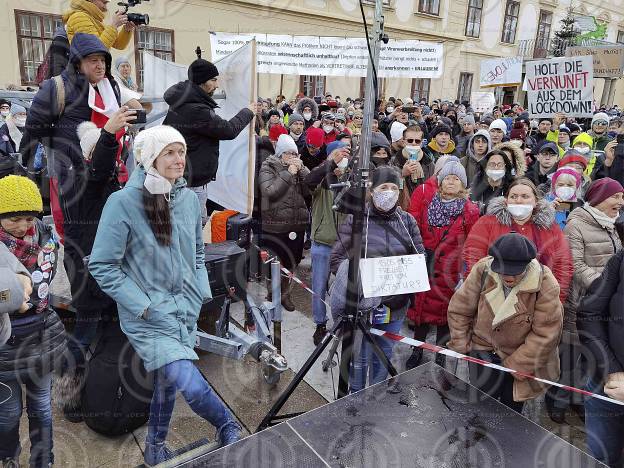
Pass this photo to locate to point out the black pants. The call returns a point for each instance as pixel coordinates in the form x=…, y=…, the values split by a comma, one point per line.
x=442, y=333
x=572, y=373
x=497, y=384
x=289, y=251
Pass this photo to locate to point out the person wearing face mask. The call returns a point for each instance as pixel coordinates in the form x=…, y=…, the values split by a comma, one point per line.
x=445, y=218
x=456, y=128
x=600, y=131
x=341, y=124
x=493, y=178
x=414, y=162
x=593, y=240
x=5, y=109
x=328, y=125
x=478, y=146
x=148, y=256
x=12, y=129
x=284, y=212
x=574, y=160
x=380, y=150
x=524, y=211
x=564, y=194
x=308, y=109
x=388, y=231
x=508, y=312
x=595, y=161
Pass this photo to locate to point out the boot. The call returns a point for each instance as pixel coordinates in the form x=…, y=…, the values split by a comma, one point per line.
x=556, y=413
x=67, y=393
x=319, y=333
x=414, y=360
x=156, y=453
x=10, y=463
x=287, y=302
x=228, y=434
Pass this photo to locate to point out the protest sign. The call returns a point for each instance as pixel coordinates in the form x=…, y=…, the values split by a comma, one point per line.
x=334, y=56
x=560, y=85
x=386, y=276
x=608, y=60
x=482, y=101
x=506, y=71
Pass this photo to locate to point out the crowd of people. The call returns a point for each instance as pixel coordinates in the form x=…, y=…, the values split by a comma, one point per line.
x=518, y=220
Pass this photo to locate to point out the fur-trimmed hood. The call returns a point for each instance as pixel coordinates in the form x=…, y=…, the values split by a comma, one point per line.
x=518, y=160
x=303, y=102
x=543, y=214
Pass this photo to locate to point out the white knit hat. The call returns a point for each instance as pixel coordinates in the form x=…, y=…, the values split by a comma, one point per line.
x=600, y=116
x=285, y=143
x=150, y=142
x=396, y=131
x=89, y=134
x=500, y=124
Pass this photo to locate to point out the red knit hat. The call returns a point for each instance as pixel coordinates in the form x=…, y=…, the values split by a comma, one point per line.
x=573, y=158
x=315, y=137
x=518, y=132
x=276, y=131
x=602, y=189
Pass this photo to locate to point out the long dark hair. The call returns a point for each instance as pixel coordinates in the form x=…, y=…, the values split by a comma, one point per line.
x=158, y=216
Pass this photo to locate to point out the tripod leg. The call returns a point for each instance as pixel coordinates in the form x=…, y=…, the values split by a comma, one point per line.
x=378, y=351
x=346, y=355
x=332, y=351
x=266, y=422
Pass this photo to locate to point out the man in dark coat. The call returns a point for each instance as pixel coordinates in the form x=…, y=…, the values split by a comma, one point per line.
x=192, y=113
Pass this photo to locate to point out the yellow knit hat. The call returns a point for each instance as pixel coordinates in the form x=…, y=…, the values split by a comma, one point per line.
x=19, y=195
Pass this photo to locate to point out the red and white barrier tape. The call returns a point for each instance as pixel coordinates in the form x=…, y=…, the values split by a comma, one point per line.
x=463, y=357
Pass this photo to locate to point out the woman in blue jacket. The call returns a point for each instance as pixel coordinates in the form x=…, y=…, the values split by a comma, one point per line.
x=149, y=257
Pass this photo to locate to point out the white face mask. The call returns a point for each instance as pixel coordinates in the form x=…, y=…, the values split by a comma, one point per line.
x=307, y=115
x=520, y=211
x=385, y=200
x=495, y=174
x=584, y=150
x=19, y=121
x=5, y=113
x=344, y=162
x=157, y=184
x=565, y=193
x=389, y=109
x=328, y=128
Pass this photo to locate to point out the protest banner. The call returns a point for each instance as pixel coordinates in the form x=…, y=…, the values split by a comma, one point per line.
x=560, y=85
x=482, y=101
x=334, y=56
x=505, y=71
x=386, y=276
x=608, y=60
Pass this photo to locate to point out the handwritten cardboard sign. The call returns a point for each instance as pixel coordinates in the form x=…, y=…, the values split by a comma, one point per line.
x=387, y=276
x=561, y=85
x=608, y=60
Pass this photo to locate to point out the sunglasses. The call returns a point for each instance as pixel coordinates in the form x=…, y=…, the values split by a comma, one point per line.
x=357, y=118
x=413, y=140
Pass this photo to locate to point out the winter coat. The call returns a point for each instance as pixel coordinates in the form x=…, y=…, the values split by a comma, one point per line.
x=159, y=289
x=553, y=250
x=383, y=235
x=303, y=102
x=435, y=152
x=616, y=170
x=518, y=159
x=85, y=17
x=600, y=321
x=600, y=142
x=592, y=246
x=409, y=185
x=264, y=149
x=37, y=340
x=524, y=330
x=192, y=113
x=11, y=290
x=310, y=161
x=469, y=161
x=462, y=141
x=445, y=244
x=283, y=197
x=7, y=144
x=534, y=174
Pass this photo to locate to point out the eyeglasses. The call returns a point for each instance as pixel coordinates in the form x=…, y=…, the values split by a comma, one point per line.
x=413, y=140
x=357, y=118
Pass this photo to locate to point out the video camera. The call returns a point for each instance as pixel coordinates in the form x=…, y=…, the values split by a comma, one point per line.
x=136, y=18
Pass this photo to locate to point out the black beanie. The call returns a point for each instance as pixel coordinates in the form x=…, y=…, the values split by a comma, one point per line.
x=386, y=174
x=201, y=71
x=441, y=128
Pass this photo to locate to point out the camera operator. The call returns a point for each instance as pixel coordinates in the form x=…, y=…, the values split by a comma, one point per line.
x=614, y=158
x=87, y=17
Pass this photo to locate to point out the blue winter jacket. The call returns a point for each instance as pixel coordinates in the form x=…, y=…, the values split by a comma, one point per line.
x=159, y=289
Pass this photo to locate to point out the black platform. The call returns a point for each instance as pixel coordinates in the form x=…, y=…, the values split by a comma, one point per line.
x=434, y=420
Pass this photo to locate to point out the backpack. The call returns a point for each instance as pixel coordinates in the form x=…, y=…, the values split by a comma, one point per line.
x=118, y=390
x=55, y=60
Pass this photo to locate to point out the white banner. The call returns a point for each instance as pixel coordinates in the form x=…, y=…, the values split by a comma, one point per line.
x=506, y=71
x=158, y=76
x=334, y=56
x=386, y=276
x=482, y=101
x=561, y=85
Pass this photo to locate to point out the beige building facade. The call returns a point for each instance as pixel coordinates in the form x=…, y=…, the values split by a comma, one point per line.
x=471, y=31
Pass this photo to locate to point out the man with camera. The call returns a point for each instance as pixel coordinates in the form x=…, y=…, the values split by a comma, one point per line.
x=85, y=16
x=192, y=113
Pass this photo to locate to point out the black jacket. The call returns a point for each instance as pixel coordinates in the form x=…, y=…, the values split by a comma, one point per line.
x=616, y=171
x=538, y=178
x=7, y=145
x=192, y=113
x=600, y=320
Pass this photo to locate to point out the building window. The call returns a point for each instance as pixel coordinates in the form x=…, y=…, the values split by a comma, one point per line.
x=385, y=3
x=158, y=42
x=473, y=19
x=620, y=37
x=542, y=37
x=465, y=87
x=420, y=89
x=381, y=87
x=511, y=22
x=312, y=85
x=431, y=7
x=35, y=32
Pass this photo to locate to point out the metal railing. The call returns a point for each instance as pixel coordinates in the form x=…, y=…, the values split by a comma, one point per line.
x=546, y=48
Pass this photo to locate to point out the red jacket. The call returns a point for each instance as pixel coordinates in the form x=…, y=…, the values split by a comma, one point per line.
x=446, y=243
x=552, y=246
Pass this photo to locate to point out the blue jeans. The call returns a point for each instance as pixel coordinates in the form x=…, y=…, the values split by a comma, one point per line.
x=39, y=412
x=367, y=364
x=183, y=375
x=604, y=426
x=84, y=332
x=320, y=276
